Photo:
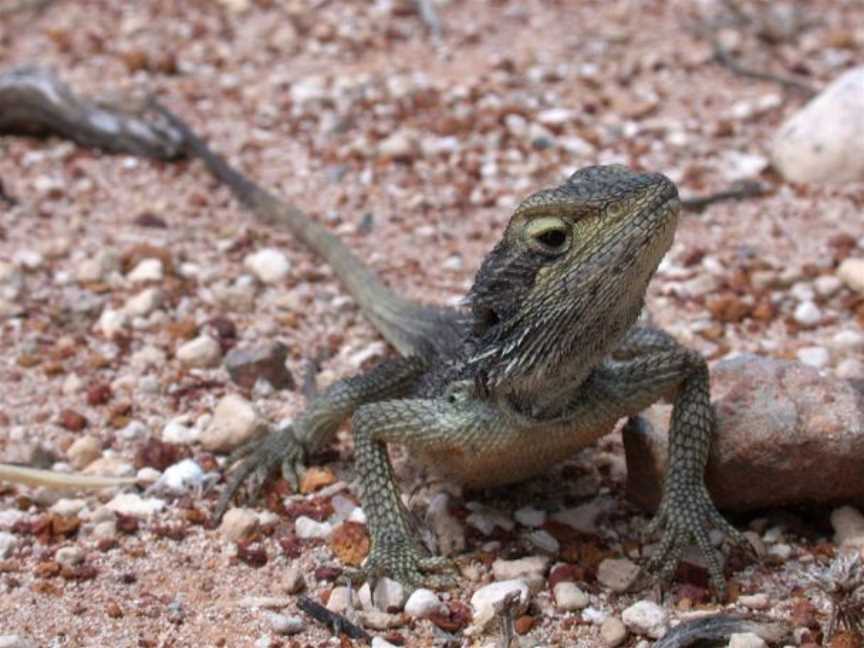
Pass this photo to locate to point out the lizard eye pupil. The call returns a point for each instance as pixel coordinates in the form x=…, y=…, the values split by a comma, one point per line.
x=553, y=238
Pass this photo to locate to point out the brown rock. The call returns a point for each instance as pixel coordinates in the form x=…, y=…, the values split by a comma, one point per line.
x=350, y=542
x=786, y=435
x=246, y=365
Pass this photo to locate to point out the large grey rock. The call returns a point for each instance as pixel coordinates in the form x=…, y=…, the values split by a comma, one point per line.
x=824, y=141
x=786, y=435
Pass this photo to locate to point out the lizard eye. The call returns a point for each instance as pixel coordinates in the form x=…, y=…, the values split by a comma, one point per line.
x=548, y=235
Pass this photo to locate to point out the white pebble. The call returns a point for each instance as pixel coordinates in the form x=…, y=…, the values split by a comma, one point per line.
x=612, y=632
x=646, y=618
x=112, y=322
x=530, y=569
x=851, y=272
x=7, y=544
x=147, y=270
x=183, y=476
x=827, y=285
x=238, y=523
x=283, y=624
x=484, y=599
x=618, y=574
x=69, y=556
x=807, y=314
x=569, y=597
x=848, y=526
x=850, y=368
x=203, y=351
x=814, y=356
x=177, y=431
x=84, y=451
x=340, y=600
x=389, y=595
x=530, y=516
x=143, y=303
x=234, y=422
x=132, y=504
x=848, y=339
x=746, y=640
x=306, y=528
x=423, y=603
x=269, y=265
x=754, y=601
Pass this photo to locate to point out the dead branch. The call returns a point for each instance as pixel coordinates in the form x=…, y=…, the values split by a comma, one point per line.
x=739, y=191
x=337, y=623
x=724, y=57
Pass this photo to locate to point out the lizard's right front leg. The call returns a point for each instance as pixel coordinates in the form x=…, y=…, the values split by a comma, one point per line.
x=289, y=446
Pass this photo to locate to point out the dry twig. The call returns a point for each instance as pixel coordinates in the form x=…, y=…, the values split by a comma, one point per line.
x=336, y=622
x=724, y=57
x=738, y=191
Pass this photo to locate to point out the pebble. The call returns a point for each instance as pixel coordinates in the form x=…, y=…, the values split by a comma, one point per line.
x=851, y=273
x=7, y=544
x=177, y=431
x=484, y=599
x=143, y=303
x=238, y=523
x=848, y=339
x=16, y=641
x=135, y=505
x=147, y=357
x=850, y=368
x=485, y=519
x=618, y=574
x=746, y=640
x=306, y=528
x=293, y=581
x=201, y=352
x=84, y=451
x=569, y=597
x=447, y=528
x=423, y=603
x=584, y=517
x=283, y=624
x=234, y=422
x=72, y=384
x=389, y=595
x=378, y=642
x=827, y=285
x=69, y=556
x=848, y=526
x=183, y=476
x=807, y=314
x=68, y=507
x=813, y=356
x=269, y=265
x=401, y=145
x=530, y=569
x=106, y=530
x=247, y=365
x=613, y=632
x=340, y=600
x=646, y=618
x=380, y=620
x=112, y=322
x=544, y=541
x=782, y=551
x=754, y=601
x=530, y=517
x=29, y=260
x=147, y=270
x=11, y=517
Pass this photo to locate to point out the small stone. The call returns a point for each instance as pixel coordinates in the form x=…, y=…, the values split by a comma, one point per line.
x=143, y=303
x=584, y=517
x=182, y=477
x=849, y=340
x=283, y=624
x=69, y=556
x=176, y=431
x=850, y=369
x=530, y=517
x=340, y=600
x=293, y=581
x=200, y=352
x=29, y=260
x=827, y=285
x=807, y=314
x=401, y=145
x=814, y=356
x=147, y=270
x=848, y=526
x=269, y=265
x=112, y=322
x=646, y=618
x=8, y=543
x=378, y=642
x=238, y=523
x=135, y=505
x=380, y=620
x=851, y=272
x=68, y=507
x=746, y=640
x=147, y=357
x=754, y=601
x=246, y=365
x=485, y=518
x=316, y=478
x=544, y=541
x=569, y=597
x=423, y=603
x=234, y=422
x=389, y=595
x=531, y=570
x=84, y=451
x=306, y=528
x=618, y=574
x=613, y=632
x=16, y=641
x=484, y=599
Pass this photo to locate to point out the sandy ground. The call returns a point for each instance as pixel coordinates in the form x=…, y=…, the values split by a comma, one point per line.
x=414, y=151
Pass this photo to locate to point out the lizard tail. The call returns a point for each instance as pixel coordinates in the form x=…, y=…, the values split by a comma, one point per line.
x=414, y=329
x=59, y=481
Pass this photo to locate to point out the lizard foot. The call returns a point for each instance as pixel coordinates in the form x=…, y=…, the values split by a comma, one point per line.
x=687, y=513
x=255, y=461
x=403, y=561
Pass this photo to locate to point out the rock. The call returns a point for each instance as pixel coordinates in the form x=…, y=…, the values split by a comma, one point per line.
x=68, y=507
x=646, y=618
x=147, y=270
x=112, y=322
x=283, y=624
x=306, y=528
x=851, y=273
x=135, y=505
x=530, y=517
x=848, y=340
x=147, y=357
x=584, y=517
x=484, y=599
x=201, y=352
x=8, y=543
x=293, y=581
x=827, y=285
x=446, y=527
x=389, y=595
x=485, y=518
x=181, y=477
x=821, y=142
x=269, y=265
x=69, y=556
x=813, y=356
x=143, y=303
x=544, y=541
x=401, y=145
x=618, y=574
x=754, y=601
x=848, y=526
x=423, y=603
x=340, y=600
x=378, y=620
x=16, y=641
x=176, y=431
x=530, y=569
x=850, y=369
x=569, y=597
x=746, y=640
x=777, y=419
x=807, y=314
x=378, y=642
x=84, y=451
x=234, y=422
x=246, y=365
x=612, y=632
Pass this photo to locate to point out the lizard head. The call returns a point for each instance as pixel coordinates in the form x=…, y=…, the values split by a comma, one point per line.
x=569, y=275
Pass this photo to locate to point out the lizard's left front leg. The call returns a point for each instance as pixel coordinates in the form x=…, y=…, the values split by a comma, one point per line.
x=657, y=367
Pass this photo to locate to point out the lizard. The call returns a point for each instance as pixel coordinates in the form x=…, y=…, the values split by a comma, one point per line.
x=547, y=355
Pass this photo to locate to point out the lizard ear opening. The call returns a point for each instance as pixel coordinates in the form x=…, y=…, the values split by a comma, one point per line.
x=548, y=235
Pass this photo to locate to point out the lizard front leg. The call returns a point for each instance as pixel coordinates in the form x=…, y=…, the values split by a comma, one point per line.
x=658, y=367
x=288, y=446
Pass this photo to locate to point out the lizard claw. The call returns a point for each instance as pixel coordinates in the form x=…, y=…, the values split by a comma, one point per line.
x=686, y=514
x=255, y=461
x=403, y=561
